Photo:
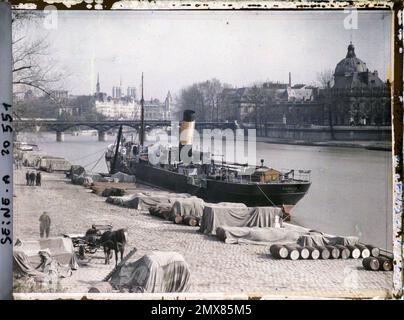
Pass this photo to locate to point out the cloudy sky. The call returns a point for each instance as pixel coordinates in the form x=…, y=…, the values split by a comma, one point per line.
x=175, y=49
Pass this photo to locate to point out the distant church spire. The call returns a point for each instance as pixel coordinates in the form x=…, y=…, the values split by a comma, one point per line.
x=98, y=84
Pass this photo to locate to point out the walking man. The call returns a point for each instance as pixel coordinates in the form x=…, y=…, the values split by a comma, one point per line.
x=27, y=176
x=32, y=177
x=44, y=224
x=38, y=179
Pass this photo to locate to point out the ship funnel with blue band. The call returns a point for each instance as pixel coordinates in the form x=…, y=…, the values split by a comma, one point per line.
x=187, y=133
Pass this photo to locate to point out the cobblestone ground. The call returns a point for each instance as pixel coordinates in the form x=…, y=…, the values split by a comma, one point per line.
x=215, y=266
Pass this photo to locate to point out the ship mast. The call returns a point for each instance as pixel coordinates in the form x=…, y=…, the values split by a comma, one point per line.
x=142, y=117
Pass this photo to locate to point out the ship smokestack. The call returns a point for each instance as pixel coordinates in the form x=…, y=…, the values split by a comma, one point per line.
x=187, y=133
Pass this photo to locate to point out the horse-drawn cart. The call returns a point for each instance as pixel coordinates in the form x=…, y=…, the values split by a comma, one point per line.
x=89, y=242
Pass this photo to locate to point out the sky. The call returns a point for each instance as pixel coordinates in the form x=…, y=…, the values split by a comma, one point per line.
x=176, y=49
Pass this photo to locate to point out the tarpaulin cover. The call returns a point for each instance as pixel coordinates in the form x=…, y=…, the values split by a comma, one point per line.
x=318, y=239
x=157, y=271
x=58, y=164
x=257, y=235
x=123, y=177
x=192, y=206
x=216, y=215
x=143, y=201
x=60, y=248
x=113, y=192
x=48, y=270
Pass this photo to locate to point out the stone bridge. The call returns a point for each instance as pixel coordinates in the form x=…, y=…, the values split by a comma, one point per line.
x=60, y=126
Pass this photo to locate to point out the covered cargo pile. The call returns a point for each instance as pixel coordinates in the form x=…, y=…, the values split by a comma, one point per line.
x=257, y=235
x=219, y=215
x=155, y=272
x=123, y=177
x=32, y=158
x=144, y=201
x=319, y=239
x=45, y=259
x=49, y=163
x=188, y=207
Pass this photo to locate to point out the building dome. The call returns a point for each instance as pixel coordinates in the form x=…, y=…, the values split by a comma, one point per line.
x=351, y=64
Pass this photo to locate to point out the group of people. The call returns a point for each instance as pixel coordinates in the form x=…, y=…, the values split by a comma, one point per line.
x=18, y=163
x=33, y=179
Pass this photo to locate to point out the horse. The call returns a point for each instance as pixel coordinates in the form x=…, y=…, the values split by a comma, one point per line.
x=113, y=240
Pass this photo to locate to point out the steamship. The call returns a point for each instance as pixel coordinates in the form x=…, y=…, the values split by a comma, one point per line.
x=214, y=182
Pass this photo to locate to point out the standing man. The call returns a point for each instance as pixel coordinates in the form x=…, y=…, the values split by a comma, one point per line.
x=44, y=224
x=32, y=177
x=27, y=176
x=38, y=178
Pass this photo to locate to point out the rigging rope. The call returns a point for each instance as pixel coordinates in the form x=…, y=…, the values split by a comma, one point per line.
x=273, y=204
x=88, y=155
x=97, y=161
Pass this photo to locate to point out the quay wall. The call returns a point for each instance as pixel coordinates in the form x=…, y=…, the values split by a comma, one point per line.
x=325, y=133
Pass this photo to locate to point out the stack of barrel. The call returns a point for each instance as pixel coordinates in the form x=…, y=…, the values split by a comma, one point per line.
x=295, y=252
x=378, y=261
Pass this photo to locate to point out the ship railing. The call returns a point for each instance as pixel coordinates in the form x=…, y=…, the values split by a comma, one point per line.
x=302, y=175
x=298, y=175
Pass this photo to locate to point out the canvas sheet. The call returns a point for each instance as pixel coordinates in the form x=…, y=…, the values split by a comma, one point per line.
x=215, y=216
x=60, y=248
x=144, y=201
x=257, y=235
x=192, y=206
x=318, y=239
x=157, y=271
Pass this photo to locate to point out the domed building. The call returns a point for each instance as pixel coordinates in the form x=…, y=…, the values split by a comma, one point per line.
x=352, y=72
x=358, y=96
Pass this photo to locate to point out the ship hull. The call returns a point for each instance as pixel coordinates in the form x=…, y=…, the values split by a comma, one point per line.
x=221, y=191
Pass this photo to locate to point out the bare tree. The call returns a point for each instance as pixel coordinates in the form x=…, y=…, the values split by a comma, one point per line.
x=202, y=97
x=325, y=78
x=32, y=65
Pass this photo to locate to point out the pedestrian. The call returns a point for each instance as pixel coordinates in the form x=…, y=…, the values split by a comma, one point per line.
x=27, y=176
x=32, y=177
x=44, y=224
x=38, y=179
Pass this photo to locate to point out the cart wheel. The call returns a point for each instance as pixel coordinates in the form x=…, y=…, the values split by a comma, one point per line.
x=91, y=250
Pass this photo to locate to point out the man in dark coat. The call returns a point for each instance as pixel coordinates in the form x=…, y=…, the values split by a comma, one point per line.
x=38, y=178
x=27, y=177
x=44, y=225
x=32, y=177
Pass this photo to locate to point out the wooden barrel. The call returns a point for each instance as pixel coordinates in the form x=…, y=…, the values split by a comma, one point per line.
x=314, y=253
x=334, y=252
x=355, y=252
x=371, y=263
x=374, y=251
x=190, y=221
x=278, y=251
x=293, y=252
x=303, y=252
x=365, y=252
x=344, y=251
x=386, y=264
x=324, y=252
x=101, y=287
x=178, y=219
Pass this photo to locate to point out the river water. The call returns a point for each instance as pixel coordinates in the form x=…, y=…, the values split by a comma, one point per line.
x=350, y=192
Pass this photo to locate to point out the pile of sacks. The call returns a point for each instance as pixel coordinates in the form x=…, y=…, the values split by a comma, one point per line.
x=79, y=176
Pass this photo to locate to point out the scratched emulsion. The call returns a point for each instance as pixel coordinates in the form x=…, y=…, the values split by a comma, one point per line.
x=264, y=5
x=397, y=118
